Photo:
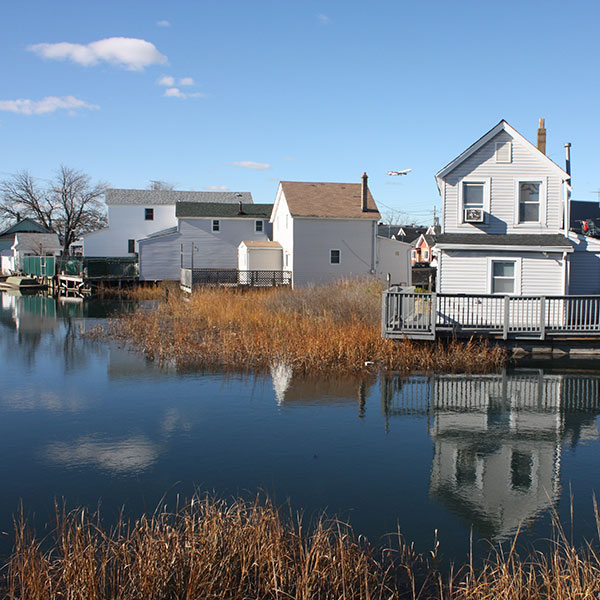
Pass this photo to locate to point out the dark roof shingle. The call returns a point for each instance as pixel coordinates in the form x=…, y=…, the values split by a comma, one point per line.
x=222, y=210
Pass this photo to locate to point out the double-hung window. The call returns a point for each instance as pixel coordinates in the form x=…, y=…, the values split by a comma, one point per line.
x=216, y=225
x=334, y=257
x=149, y=214
x=474, y=200
x=258, y=226
x=529, y=201
x=503, y=277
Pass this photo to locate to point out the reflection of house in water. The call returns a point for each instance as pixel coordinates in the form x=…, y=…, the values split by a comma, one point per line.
x=306, y=390
x=498, y=438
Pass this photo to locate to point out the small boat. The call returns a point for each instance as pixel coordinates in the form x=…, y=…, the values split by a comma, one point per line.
x=17, y=282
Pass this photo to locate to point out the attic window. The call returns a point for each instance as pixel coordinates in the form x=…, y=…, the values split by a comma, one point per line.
x=503, y=152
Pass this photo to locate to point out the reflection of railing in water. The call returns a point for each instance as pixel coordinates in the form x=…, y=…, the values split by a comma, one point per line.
x=524, y=390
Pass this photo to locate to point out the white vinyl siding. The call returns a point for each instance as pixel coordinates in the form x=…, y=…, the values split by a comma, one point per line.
x=482, y=166
x=584, y=267
x=461, y=272
x=126, y=222
x=160, y=257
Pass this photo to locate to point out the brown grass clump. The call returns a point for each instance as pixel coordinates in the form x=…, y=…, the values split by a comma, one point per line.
x=320, y=328
x=211, y=549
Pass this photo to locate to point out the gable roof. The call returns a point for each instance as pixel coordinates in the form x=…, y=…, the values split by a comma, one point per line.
x=261, y=244
x=218, y=210
x=25, y=225
x=328, y=200
x=165, y=197
x=501, y=126
x=411, y=232
x=37, y=242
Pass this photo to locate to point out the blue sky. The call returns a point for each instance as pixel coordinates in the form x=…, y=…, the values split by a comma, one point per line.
x=242, y=94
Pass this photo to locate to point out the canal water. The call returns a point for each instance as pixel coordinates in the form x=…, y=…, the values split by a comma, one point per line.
x=96, y=424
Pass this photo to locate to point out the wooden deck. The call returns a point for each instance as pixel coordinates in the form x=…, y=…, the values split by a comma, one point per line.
x=406, y=314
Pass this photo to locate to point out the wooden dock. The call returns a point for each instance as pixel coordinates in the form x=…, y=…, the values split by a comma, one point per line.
x=406, y=314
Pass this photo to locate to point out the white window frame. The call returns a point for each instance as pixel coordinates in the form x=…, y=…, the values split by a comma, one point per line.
x=413, y=255
x=509, y=152
x=425, y=253
x=543, y=181
x=490, y=273
x=259, y=226
x=487, y=186
x=215, y=225
x=331, y=251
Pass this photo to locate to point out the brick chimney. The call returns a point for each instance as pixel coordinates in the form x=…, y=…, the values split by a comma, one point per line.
x=541, y=137
x=363, y=193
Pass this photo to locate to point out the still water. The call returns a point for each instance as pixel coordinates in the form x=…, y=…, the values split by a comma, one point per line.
x=97, y=424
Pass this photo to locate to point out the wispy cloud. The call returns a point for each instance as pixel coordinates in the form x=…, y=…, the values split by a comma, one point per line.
x=249, y=164
x=129, y=53
x=175, y=92
x=217, y=188
x=169, y=81
x=163, y=23
x=323, y=19
x=50, y=104
x=166, y=80
x=289, y=159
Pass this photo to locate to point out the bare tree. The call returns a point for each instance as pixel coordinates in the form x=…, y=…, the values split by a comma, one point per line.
x=157, y=185
x=70, y=205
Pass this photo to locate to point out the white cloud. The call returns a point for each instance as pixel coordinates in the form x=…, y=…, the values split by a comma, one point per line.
x=217, y=188
x=130, y=53
x=25, y=106
x=323, y=19
x=249, y=164
x=186, y=81
x=166, y=80
x=174, y=92
x=163, y=23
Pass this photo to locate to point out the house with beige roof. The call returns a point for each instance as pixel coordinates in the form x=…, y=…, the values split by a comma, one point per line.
x=328, y=231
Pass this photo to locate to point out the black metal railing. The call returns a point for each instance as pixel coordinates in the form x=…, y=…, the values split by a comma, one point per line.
x=125, y=267
x=191, y=278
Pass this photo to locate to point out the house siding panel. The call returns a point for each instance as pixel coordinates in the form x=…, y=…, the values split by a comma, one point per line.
x=160, y=258
x=313, y=240
x=468, y=272
x=525, y=165
x=584, y=266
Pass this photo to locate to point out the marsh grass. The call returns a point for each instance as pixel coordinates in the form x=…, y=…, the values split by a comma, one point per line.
x=321, y=328
x=212, y=549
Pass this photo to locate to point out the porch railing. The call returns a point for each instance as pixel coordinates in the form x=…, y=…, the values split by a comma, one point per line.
x=423, y=316
x=191, y=278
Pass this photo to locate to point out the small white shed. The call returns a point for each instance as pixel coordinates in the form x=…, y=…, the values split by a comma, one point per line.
x=256, y=255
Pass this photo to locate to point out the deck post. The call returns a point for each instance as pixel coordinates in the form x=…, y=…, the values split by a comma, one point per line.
x=384, y=301
x=543, y=318
x=433, y=313
x=506, y=317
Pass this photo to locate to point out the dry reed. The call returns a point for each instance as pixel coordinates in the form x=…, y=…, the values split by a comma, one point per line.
x=237, y=550
x=320, y=328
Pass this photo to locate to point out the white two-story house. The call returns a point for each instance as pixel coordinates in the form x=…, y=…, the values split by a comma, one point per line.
x=135, y=214
x=505, y=216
